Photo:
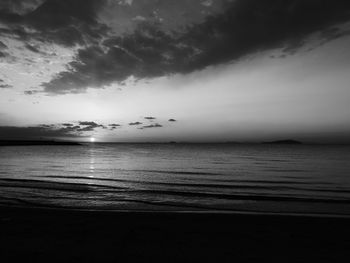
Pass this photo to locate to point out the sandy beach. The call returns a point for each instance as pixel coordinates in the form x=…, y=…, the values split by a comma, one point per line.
x=47, y=235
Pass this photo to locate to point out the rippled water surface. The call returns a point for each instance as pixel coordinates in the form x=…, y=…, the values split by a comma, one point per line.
x=259, y=178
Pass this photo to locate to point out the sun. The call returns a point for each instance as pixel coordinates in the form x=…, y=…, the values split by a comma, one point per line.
x=92, y=139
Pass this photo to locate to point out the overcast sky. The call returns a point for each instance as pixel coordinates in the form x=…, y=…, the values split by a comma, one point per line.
x=185, y=70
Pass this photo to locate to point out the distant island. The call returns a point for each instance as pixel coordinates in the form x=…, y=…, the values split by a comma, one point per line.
x=37, y=142
x=283, y=142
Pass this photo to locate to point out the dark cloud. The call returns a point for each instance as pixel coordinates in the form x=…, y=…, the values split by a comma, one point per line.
x=87, y=129
x=93, y=67
x=49, y=130
x=90, y=126
x=150, y=118
x=3, y=54
x=90, y=123
x=3, y=85
x=19, y=7
x=156, y=125
x=36, y=132
x=71, y=129
x=2, y=45
x=31, y=92
x=150, y=49
x=135, y=123
x=114, y=126
x=172, y=120
x=32, y=48
x=245, y=27
x=65, y=22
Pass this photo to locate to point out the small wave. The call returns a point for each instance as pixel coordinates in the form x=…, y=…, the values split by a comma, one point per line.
x=175, y=172
x=277, y=160
x=285, y=170
x=50, y=185
x=245, y=197
x=277, y=185
x=24, y=202
x=280, y=182
x=200, y=194
x=271, y=181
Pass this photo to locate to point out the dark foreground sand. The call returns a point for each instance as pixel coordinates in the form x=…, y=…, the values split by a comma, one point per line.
x=39, y=235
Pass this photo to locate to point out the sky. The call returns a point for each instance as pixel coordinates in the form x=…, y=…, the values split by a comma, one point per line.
x=185, y=70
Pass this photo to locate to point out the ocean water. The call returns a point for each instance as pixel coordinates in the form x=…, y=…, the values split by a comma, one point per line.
x=301, y=179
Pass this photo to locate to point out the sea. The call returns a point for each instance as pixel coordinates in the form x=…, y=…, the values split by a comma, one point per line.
x=225, y=178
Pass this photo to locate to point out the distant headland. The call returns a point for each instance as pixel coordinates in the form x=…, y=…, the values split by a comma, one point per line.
x=283, y=142
x=35, y=142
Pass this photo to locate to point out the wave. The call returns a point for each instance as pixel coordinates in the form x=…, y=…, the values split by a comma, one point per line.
x=242, y=184
x=170, y=203
x=79, y=187
x=285, y=170
x=126, y=200
x=196, y=179
x=175, y=172
x=238, y=197
x=50, y=185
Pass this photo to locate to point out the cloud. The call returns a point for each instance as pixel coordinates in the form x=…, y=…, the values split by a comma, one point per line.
x=19, y=7
x=31, y=92
x=3, y=54
x=2, y=45
x=114, y=126
x=139, y=18
x=4, y=85
x=64, y=22
x=245, y=27
x=63, y=130
x=87, y=129
x=156, y=125
x=135, y=123
x=37, y=132
x=125, y=2
x=90, y=126
x=32, y=48
x=90, y=123
x=93, y=68
x=150, y=118
x=152, y=50
x=172, y=120
x=207, y=3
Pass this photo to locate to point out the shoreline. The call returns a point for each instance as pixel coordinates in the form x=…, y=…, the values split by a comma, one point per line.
x=55, y=235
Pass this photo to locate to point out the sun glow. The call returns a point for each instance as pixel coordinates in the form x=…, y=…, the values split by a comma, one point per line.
x=92, y=139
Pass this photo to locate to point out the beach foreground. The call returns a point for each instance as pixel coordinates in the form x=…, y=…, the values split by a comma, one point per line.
x=46, y=235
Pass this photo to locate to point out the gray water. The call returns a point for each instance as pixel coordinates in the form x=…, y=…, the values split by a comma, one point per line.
x=178, y=177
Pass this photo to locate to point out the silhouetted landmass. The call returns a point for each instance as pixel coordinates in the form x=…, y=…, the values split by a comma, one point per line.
x=39, y=142
x=283, y=142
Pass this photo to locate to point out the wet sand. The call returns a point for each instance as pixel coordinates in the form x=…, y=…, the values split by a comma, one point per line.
x=47, y=235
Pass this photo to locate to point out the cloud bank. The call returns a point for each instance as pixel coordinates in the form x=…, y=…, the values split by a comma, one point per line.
x=245, y=27
x=151, y=49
